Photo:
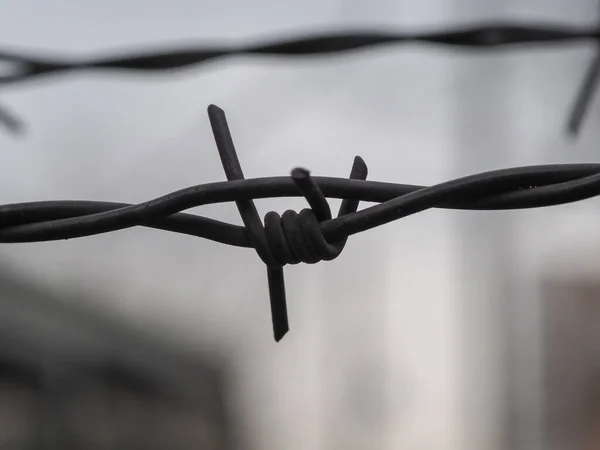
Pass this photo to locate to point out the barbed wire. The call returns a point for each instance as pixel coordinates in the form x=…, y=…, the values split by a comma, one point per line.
x=312, y=235
x=487, y=35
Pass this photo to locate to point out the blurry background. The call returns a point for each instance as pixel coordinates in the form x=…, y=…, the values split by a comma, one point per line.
x=441, y=339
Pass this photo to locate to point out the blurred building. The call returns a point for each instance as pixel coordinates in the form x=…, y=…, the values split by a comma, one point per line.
x=78, y=379
x=552, y=361
x=571, y=367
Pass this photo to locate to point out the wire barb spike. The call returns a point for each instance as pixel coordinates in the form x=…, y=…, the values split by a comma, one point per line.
x=251, y=219
x=288, y=239
x=585, y=94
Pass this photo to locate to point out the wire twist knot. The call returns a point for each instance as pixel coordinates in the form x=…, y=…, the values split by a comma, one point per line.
x=290, y=238
x=295, y=237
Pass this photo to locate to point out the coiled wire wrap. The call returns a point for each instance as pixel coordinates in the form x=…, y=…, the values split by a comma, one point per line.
x=288, y=239
x=310, y=236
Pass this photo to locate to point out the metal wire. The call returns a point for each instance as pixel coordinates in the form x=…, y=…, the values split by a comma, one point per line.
x=488, y=35
x=312, y=235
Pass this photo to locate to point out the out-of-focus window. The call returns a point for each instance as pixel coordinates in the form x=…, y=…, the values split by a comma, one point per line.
x=89, y=420
x=572, y=363
x=18, y=416
x=185, y=428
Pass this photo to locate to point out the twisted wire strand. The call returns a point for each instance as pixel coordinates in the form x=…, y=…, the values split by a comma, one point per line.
x=311, y=236
x=485, y=35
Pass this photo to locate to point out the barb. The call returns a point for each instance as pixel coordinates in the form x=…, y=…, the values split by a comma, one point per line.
x=490, y=35
x=585, y=94
x=10, y=121
x=311, y=236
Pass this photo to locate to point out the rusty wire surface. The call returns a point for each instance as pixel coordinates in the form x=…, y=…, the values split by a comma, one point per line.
x=25, y=67
x=312, y=235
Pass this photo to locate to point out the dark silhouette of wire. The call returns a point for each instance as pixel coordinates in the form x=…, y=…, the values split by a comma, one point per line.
x=10, y=121
x=312, y=235
x=584, y=96
x=586, y=93
x=483, y=36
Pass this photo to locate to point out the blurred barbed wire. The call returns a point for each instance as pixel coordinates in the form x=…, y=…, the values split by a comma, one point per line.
x=24, y=67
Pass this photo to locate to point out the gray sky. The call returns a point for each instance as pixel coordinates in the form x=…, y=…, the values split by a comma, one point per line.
x=123, y=137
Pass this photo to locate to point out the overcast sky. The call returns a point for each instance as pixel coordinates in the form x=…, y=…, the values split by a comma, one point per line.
x=416, y=115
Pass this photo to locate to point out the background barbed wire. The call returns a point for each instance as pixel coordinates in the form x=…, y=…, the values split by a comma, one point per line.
x=23, y=67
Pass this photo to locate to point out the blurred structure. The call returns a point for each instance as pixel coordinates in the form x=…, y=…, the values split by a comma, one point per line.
x=571, y=369
x=75, y=378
